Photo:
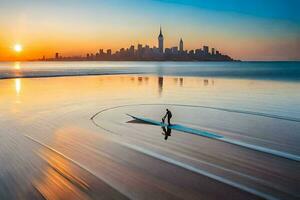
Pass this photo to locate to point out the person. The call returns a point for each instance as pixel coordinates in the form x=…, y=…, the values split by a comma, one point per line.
x=169, y=115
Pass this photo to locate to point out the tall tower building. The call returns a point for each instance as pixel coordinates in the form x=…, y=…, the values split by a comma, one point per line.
x=161, y=42
x=181, y=45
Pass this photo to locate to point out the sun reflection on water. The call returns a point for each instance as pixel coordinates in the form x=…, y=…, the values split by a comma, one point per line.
x=17, y=65
x=18, y=85
x=60, y=180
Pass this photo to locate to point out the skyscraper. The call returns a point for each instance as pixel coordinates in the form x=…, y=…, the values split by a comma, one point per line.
x=161, y=42
x=131, y=50
x=206, y=50
x=181, y=45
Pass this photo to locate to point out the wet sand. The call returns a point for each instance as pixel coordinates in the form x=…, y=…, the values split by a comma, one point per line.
x=52, y=149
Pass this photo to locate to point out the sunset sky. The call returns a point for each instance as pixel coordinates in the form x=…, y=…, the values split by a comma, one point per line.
x=244, y=29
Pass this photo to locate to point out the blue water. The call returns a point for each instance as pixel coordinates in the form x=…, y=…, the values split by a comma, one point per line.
x=283, y=71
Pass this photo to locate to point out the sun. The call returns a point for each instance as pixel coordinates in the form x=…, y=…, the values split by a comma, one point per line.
x=18, y=48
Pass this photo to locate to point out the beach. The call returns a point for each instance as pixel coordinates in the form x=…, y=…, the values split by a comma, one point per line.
x=65, y=132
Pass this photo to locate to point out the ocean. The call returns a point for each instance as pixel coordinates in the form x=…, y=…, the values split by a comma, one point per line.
x=65, y=132
x=287, y=71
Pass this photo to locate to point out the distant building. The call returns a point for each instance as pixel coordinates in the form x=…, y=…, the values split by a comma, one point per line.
x=139, y=50
x=198, y=52
x=56, y=55
x=206, y=50
x=101, y=52
x=174, y=50
x=168, y=51
x=131, y=50
x=181, y=45
x=161, y=42
x=146, y=51
x=155, y=50
x=213, y=51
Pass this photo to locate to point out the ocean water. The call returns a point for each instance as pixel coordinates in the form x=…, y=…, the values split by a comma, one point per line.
x=287, y=71
x=69, y=137
x=279, y=96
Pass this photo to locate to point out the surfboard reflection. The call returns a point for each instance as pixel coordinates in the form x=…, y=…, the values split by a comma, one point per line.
x=166, y=130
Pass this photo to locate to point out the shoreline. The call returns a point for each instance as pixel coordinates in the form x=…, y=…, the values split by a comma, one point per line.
x=74, y=60
x=67, y=75
x=280, y=71
x=163, y=61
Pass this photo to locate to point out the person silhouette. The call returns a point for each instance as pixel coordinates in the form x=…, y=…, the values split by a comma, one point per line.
x=167, y=132
x=169, y=115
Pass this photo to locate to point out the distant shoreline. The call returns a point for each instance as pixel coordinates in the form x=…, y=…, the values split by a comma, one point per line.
x=285, y=71
x=131, y=60
x=68, y=75
x=192, y=61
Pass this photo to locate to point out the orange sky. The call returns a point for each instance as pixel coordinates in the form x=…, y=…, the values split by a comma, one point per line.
x=78, y=28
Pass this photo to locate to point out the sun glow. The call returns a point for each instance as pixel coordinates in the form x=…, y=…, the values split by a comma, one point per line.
x=17, y=66
x=18, y=85
x=18, y=48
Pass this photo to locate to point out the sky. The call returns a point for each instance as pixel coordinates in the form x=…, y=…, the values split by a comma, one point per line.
x=243, y=29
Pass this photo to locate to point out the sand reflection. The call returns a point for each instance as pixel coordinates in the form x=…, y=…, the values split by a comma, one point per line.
x=51, y=104
x=56, y=92
x=59, y=179
x=63, y=176
x=18, y=86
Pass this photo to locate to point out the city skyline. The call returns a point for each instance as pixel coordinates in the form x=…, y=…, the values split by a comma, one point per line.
x=246, y=30
x=147, y=53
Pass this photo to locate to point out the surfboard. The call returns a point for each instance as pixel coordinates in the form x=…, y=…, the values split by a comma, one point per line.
x=178, y=127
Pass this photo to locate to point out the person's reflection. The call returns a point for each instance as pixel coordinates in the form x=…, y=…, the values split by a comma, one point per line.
x=166, y=131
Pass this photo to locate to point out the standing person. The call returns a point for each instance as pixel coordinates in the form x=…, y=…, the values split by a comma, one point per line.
x=169, y=115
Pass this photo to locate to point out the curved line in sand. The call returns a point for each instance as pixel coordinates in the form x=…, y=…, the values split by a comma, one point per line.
x=208, y=107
